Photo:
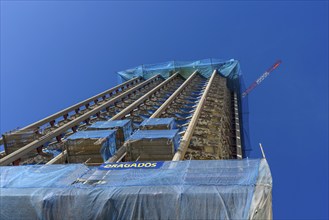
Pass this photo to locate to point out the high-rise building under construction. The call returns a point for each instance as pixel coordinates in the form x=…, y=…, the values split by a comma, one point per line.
x=170, y=141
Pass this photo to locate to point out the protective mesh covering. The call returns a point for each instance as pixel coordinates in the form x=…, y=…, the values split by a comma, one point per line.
x=171, y=135
x=103, y=125
x=158, y=124
x=185, y=68
x=244, y=108
x=229, y=69
x=90, y=134
x=123, y=127
x=217, y=189
x=17, y=139
x=38, y=176
x=156, y=145
x=91, y=145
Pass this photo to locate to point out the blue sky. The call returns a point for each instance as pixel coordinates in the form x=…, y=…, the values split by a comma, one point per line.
x=56, y=53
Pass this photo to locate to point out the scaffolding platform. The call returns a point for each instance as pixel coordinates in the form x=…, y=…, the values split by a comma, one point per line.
x=123, y=128
x=91, y=146
x=158, y=124
x=152, y=145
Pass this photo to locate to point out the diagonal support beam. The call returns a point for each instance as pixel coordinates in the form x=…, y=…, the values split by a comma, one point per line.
x=118, y=155
x=139, y=101
x=185, y=141
x=122, y=150
x=163, y=107
x=46, y=138
x=57, y=158
x=78, y=105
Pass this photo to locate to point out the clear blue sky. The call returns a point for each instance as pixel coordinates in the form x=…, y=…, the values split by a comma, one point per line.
x=56, y=53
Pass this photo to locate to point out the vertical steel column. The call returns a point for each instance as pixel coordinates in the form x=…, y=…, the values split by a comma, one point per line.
x=237, y=128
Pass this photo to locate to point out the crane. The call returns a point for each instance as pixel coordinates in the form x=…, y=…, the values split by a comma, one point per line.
x=261, y=78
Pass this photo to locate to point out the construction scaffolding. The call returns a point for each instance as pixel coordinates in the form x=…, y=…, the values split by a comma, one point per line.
x=152, y=145
x=178, y=92
x=171, y=141
x=123, y=129
x=91, y=146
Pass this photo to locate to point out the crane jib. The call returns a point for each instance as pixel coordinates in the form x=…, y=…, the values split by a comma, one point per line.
x=261, y=78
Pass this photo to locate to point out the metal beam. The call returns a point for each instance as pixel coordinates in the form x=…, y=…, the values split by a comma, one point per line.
x=57, y=158
x=118, y=155
x=82, y=103
x=44, y=139
x=237, y=127
x=122, y=151
x=139, y=101
x=185, y=141
x=159, y=111
x=73, y=107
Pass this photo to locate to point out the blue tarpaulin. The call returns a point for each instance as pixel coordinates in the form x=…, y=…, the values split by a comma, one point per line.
x=110, y=124
x=108, y=148
x=214, y=189
x=125, y=124
x=185, y=68
x=168, y=122
x=91, y=134
x=171, y=135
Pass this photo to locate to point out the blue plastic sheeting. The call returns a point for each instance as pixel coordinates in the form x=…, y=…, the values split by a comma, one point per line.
x=108, y=148
x=185, y=68
x=45, y=176
x=160, y=121
x=110, y=124
x=151, y=134
x=157, y=134
x=126, y=126
x=192, y=175
x=229, y=69
x=53, y=152
x=244, y=120
x=217, y=189
x=91, y=134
